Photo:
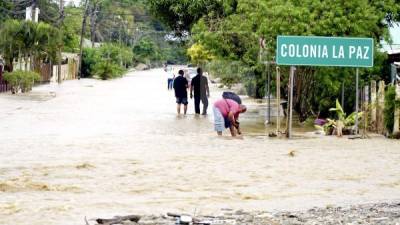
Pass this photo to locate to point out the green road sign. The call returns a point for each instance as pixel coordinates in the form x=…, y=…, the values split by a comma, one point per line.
x=325, y=51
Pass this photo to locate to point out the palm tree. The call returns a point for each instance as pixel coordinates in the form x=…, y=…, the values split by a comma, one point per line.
x=37, y=41
x=10, y=42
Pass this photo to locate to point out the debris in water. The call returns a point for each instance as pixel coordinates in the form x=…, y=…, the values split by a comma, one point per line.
x=85, y=166
x=117, y=220
x=272, y=134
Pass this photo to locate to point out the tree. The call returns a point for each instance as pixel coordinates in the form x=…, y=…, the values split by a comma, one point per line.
x=72, y=28
x=236, y=35
x=146, y=51
x=181, y=15
x=9, y=43
x=25, y=39
x=5, y=11
x=199, y=55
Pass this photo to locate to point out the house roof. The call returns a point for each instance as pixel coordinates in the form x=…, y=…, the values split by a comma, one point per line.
x=394, y=32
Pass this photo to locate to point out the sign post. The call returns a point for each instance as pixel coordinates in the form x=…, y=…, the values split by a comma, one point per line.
x=357, y=97
x=324, y=51
x=291, y=80
x=278, y=99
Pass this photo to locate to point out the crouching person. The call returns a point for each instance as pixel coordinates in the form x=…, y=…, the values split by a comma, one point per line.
x=226, y=115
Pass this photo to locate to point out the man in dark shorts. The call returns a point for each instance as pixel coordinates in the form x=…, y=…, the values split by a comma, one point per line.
x=181, y=86
x=201, y=90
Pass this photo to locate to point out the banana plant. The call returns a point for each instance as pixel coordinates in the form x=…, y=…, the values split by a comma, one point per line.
x=342, y=121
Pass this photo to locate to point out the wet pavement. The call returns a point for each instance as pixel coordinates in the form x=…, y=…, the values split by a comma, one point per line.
x=103, y=148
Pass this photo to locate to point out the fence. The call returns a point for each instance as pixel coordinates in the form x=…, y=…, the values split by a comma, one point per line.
x=69, y=70
x=4, y=87
x=374, y=106
x=45, y=73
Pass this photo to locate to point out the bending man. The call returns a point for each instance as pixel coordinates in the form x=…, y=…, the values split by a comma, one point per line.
x=226, y=115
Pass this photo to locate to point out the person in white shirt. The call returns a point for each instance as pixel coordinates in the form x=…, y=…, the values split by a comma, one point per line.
x=171, y=77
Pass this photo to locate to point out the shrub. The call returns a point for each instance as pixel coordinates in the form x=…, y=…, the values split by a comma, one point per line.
x=146, y=51
x=199, y=55
x=108, y=70
x=107, y=61
x=21, y=80
x=228, y=71
x=90, y=58
x=390, y=105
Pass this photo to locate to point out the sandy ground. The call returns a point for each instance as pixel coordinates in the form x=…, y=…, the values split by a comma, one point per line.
x=105, y=148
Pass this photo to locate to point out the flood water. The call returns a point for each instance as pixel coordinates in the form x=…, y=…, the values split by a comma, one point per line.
x=104, y=148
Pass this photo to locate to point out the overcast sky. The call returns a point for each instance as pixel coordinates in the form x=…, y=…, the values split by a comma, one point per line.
x=76, y=2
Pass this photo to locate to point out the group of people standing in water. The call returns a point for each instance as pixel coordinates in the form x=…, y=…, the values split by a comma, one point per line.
x=226, y=110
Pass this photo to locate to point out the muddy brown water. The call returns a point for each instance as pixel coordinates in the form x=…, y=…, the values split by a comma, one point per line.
x=105, y=148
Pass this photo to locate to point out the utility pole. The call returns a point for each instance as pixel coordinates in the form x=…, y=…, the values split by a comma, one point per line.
x=32, y=14
x=85, y=14
x=35, y=11
x=60, y=23
x=36, y=16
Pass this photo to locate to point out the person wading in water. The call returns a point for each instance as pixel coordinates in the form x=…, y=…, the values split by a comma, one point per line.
x=181, y=86
x=226, y=115
x=201, y=90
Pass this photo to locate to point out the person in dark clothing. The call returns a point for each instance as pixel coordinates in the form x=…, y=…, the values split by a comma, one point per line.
x=201, y=90
x=180, y=87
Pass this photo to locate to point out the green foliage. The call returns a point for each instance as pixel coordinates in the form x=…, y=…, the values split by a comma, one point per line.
x=21, y=80
x=234, y=35
x=174, y=54
x=146, y=51
x=71, y=29
x=106, y=69
x=229, y=72
x=27, y=39
x=342, y=119
x=5, y=11
x=341, y=115
x=390, y=106
x=339, y=111
x=9, y=43
x=118, y=54
x=180, y=15
x=199, y=55
x=89, y=59
x=107, y=62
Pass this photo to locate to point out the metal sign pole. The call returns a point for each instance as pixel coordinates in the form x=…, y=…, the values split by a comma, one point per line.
x=292, y=69
x=278, y=99
x=269, y=92
x=357, y=94
x=267, y=119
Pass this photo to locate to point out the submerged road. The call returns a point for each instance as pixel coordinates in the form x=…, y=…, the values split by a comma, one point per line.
x=105, y=148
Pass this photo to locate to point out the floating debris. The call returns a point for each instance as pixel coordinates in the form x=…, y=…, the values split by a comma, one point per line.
x=292, y=153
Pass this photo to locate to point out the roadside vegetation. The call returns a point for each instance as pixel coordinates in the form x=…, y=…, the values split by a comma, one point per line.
x=232, y=39
x=117, y=35
x=21, y=81
x=229, y=32
x=389, y=111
